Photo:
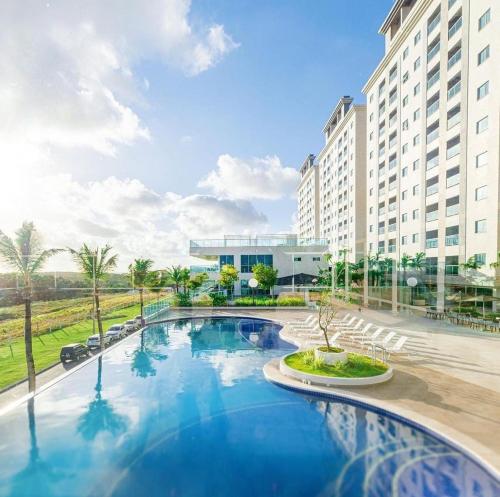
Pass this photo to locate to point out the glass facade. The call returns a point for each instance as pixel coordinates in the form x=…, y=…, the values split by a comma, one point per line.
x=225, y=260
x=248, y=261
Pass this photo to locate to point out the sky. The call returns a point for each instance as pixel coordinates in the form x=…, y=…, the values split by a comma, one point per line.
x=146, y=124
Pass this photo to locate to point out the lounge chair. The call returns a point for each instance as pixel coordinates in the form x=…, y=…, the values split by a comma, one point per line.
x=350, y=323
x=396, y=348
x=301, y=321
x=355, y=325
x=344, y=319
x=374, y=336
x=311, y=324
x=357, y=334
x=374, y=344
x=317, y=341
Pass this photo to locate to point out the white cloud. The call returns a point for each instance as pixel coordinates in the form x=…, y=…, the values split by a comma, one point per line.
x=264, y=178
x=67, y=68
x=136, y=220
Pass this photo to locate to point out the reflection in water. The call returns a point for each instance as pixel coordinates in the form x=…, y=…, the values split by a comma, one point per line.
x=100, y=415
x=37, y=477
x=143, y=357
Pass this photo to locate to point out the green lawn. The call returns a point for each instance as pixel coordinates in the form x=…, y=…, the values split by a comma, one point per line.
x=46, y=347
x=357, y=366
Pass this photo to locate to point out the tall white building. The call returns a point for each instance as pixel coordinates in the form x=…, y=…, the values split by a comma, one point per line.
x=433, y=135
x=308, y=199
x=342, y=180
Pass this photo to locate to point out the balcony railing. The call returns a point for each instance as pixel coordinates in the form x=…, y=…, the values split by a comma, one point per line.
x=392, y=248
x=452, y=210
x=432, y=163
x=454, y=90
x=392, y=227
x=431, y=216
x=432, y=108
x=433, y=24
x=454, y=58
x=392, y=207
x=451, y=240
x=452, y=151
x=433, y=51
x=258, y=242
x=393, y=163
x=431, y=243
x=433, y=79
x=453, y=120
x=432, y=135
x=452, y=180
x=432, y=189
x=455, y=27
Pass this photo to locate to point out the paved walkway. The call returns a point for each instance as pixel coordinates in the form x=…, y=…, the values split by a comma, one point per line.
x=451, y=382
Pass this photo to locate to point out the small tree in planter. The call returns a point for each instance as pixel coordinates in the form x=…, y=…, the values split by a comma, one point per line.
x=330, y=355
x=266, y=276
x=228, y=277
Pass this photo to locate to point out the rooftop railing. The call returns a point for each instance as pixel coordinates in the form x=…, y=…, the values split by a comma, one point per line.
x=258, y=242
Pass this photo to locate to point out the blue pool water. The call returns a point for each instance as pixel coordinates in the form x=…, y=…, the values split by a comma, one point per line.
x=183, y=410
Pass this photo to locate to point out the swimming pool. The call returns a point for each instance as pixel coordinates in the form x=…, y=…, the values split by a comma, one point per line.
x=183, y=409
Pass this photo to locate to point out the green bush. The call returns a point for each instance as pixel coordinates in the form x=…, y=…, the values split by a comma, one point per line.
x=203, y=301
x=182, y=300
x=290, y=301
x=218, y=300
x=257, y=301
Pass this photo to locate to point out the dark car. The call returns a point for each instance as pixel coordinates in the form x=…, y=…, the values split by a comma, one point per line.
x=74, y=352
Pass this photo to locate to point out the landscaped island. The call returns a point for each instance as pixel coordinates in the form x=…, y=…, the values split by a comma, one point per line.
x=357, y=366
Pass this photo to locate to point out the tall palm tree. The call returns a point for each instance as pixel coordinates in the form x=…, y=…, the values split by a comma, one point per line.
x=140, y=271
x=95, y=264
x=185, y=276
x=26, y=257
x=405, y=263
x=175, y=273
x=418, y=261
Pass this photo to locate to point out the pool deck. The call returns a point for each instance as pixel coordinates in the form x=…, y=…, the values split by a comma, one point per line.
x=450, y=383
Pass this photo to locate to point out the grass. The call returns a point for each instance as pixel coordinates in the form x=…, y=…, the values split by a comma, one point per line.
x=46, y=347
x=50, y=315
x=357, y=366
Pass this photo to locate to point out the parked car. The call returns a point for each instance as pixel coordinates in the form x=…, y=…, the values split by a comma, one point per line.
x=138, y=320
x=116, y=332
x=74, y=352
x=130, y=326
x=93, y=341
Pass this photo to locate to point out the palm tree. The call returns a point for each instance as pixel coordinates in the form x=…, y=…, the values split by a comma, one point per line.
x=176, y=275
x=405, y=263
x=26, y=257
x=418, y=261
x=95, y=264
x=185, y=276
x=140, y=271
x=496, y=264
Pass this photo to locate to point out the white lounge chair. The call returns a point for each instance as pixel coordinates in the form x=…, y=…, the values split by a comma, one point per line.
x=344, y=319
x=357, y=334
x=396, y=348
x=374, y=344
x=374, y=336
x=317, y=341
x=356, y=325
x=305, y=326
x=350, y=323
x=301, y=321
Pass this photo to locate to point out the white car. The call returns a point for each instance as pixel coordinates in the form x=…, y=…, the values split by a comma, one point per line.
x=93, y=341
x=116, y=332
x=130, y=326
x=138, y=320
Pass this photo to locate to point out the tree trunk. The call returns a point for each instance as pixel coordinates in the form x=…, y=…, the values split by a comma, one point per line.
x=141, y=297
x=325, y=332
x=28, y=341
x=99, y=322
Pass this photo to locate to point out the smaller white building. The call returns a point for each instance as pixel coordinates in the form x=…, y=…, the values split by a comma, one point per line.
x=298, y=260
x=308, y=199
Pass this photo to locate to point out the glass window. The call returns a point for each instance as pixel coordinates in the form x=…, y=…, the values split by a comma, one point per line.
x=225, y=260
x=480, y=226
x=406, y=52
x=415, y=213
x=404, y=217
x=404, y=240
x=416, y=64
x=480, y=258
x=483, y=55
x=482, y=159
x=484, y=19
x=316, y=259
x=414, y=238
x=483, y=90
x=416, y=89
x=416, y=164
x=482, y=125
x=417, y=38
x=249, y=261
x=405, y=101
x=482, y=192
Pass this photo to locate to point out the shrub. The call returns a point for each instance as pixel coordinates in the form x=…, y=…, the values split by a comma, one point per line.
x=182, y=300
x=258, y=301
x=287, y=301
x=218, y=300
x=203, y=301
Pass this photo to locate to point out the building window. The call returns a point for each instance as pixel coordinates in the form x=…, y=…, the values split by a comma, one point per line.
x=480, y=258
x=405, y=77
x=417, y=38
x=224, y=260
x=405, y=148
x=249, y=261
x=405, y=101
x=482, y=159
x=416, y=64
x=484, y=19
x=316, y=259
x=480, y=226
x=297, y=259
x=416, y=114
x=405, y=124
x=452, y=206
x=416, y=89
x=482, y=125
x=483, y=55
x=416, y=140
x=404, y=217
x=482, y=192
x=404, y=194
x=414, y=238
x=404, y=240
x=416, y=190
x=404, y=172
x=416, y=164
x=483, y=90
x=406, y=52
x=415, y=214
